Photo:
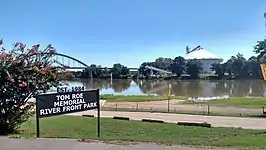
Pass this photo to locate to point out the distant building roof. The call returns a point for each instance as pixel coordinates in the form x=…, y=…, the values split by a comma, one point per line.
x=201, y=54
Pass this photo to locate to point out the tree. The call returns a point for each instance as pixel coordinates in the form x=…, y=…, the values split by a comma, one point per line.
x=178, y=66
x=143, y=71
x=97, y=71
x=260, y=49
x=23, y=73
x=120, y=71
x=236, y=67
x=238, y=64
x=254, y=67
x=163, y=63
x=194, y=68
x=160, y=63
x=218, y=68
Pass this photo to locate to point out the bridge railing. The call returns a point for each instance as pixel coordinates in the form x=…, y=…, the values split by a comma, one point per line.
x=157, y=69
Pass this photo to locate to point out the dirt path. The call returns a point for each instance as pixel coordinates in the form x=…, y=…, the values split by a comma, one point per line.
x=216, y=121
x=60, y=144
x=177, y=106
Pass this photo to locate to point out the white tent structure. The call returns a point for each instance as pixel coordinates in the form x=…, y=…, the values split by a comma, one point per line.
x=205, y=57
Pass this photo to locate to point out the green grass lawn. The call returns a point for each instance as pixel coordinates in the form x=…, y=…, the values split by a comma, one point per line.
x=237, y=102
x=85, y=128
x=138, y=98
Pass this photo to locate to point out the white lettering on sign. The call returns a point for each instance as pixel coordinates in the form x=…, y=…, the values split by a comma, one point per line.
x=89, y=105
x=49, y=111
x=79, y=95
x=63, y=97
x=72, y=108
x=71, y=102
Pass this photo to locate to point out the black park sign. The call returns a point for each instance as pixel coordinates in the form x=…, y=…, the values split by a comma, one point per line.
x=67, y=101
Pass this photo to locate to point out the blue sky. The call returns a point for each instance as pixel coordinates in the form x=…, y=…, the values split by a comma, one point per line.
x=132, y=31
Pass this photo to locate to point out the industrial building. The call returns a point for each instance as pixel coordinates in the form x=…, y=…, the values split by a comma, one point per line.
x=206, y=58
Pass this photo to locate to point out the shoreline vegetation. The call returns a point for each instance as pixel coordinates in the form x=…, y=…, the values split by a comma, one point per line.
x=243, y=102
x=237, y=67
x=83, y=128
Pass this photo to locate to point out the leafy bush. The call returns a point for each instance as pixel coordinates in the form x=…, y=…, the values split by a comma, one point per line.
x=23, y=73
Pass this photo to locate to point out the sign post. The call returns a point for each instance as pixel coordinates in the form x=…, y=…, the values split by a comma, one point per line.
x=169, y=94
x=37, y=118
x=66, y=101
x=98, y=113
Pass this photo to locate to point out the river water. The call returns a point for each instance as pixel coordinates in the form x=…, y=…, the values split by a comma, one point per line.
x=232, y=88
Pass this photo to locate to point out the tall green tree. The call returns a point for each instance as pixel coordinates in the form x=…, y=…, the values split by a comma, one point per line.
x=260, y=49
x=163, y=63
x=120, y=71
x=143, y=71
x=238, y=64
x=218, y=68
x=178, y=66
x=254, y=67
x=194, y=68
x=97, y=71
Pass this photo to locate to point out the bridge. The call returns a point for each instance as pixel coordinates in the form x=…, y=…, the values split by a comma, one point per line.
x=74, y=64
x=151, y=68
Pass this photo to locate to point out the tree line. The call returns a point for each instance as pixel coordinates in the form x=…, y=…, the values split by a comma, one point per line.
x=118, y=71
x=237, y=67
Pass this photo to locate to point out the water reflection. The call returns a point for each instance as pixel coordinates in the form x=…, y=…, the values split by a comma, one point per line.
x=239, y=88
x=118, y=86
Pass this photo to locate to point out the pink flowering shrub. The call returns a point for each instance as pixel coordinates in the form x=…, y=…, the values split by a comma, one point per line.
x=23, y=73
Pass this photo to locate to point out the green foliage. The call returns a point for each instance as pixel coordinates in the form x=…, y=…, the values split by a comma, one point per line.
x=260, y=49
x=178, y=66
x=219, y=69
x=194, y=68
x=120, y=71
x=96, y=71
x=144, y=72
x=238, y=67
x=163, y=63
x=23, y=73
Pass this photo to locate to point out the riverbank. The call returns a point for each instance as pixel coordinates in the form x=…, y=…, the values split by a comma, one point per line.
x=76, y=127
x=138, y=98
x=235, y=102
x=183, y=77
x=237, y=107
x=240, y=102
